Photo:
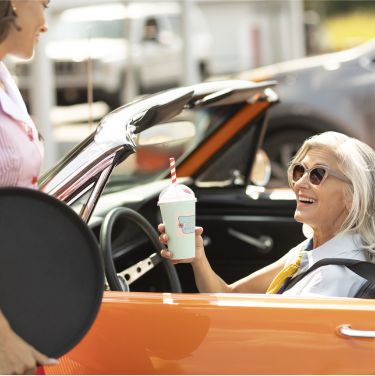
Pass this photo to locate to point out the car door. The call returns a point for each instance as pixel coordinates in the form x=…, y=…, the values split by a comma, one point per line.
x=243, y=231
x=143, y=333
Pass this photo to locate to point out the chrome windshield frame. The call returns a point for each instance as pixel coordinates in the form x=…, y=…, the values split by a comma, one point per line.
x=90, y=164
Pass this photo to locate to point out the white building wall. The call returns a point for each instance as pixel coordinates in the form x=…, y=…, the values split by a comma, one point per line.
x=286, y=30
x=229, y=36
x=232, y=23
x=248, y=34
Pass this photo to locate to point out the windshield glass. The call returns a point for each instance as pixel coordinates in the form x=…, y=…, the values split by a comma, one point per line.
x=150, y=161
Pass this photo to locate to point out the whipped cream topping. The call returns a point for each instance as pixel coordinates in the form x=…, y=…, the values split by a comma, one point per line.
x=179, y=193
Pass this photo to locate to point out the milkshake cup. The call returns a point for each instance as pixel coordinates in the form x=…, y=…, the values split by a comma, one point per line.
x=177, y=206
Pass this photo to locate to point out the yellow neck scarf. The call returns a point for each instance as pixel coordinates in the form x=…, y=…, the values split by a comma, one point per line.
x=283, y=275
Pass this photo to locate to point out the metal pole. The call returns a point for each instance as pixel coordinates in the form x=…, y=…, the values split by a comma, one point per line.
x=42, y=94
x=190, y=74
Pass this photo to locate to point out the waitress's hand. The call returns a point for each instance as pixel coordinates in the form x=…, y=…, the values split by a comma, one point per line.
x=16, y=356
x=199, y=249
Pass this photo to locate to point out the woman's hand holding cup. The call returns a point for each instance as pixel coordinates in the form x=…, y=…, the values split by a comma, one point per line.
x=199, y=249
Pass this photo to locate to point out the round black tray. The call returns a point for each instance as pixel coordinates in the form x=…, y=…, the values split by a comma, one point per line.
x=51, y=271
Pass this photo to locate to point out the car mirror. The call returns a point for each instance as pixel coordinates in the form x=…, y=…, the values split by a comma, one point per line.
x=167, y=132
x=261, y=172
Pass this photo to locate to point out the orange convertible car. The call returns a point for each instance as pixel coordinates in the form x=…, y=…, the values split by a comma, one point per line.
x=163, y=326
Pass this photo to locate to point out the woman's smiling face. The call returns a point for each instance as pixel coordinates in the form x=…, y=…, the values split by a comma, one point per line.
x=329, y=209
x=31, y=20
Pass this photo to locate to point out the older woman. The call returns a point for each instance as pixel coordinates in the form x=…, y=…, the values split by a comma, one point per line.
x=21, y=151
x=333, y=178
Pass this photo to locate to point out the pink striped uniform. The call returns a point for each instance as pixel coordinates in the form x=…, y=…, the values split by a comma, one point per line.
x=21, y=151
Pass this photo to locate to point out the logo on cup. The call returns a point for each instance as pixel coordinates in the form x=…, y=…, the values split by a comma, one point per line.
x=186, y=224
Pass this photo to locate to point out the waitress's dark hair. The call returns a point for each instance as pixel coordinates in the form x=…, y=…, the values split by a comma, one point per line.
x=7, y=19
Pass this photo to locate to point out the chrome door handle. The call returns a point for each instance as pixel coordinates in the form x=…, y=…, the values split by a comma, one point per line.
x=264, y=243
x=347, y=331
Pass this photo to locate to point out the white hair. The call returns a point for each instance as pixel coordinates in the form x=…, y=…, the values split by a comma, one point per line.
x=357, y=162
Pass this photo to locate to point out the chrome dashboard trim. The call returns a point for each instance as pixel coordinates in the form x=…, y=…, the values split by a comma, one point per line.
x=264, y=243
x=132, y=273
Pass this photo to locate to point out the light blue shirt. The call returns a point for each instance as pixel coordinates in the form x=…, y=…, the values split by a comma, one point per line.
x=330, y=280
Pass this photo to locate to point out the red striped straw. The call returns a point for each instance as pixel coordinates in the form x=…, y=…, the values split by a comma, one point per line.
x=173, y=171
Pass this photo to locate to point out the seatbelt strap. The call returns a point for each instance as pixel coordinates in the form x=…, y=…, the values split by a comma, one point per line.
x=364, y=269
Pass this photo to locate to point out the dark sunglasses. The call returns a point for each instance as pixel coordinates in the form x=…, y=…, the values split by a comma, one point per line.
x=316, y=174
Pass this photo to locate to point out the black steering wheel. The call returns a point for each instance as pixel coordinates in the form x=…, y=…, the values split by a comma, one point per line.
x=119, y=281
